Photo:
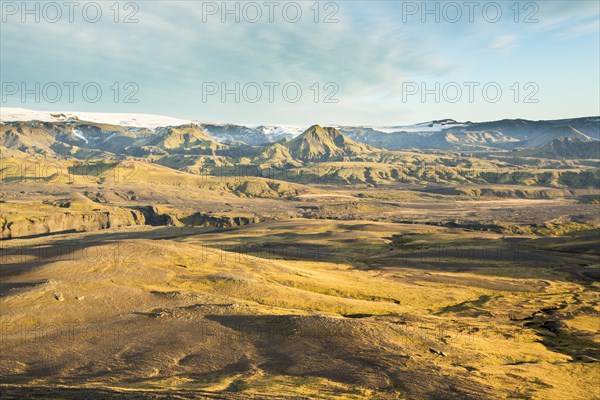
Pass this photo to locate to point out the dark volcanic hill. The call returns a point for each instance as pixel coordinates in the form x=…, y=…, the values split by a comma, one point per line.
x=548, y=136
x=567, y=148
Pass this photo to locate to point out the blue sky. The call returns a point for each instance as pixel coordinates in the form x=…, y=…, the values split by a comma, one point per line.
x=373, y=53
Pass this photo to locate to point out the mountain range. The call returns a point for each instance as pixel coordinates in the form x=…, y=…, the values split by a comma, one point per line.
x=480, y=136
x=62, y=135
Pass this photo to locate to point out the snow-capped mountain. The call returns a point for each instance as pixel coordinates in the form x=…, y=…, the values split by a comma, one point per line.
x=277, y=132
x=425, y=127
x=227, y=133
x=251, y=135
x=9, y=114
x=115, y=131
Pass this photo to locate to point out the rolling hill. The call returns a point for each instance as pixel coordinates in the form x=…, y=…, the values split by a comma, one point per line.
x=184, y=139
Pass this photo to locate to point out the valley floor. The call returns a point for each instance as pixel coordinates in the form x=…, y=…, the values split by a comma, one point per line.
x=175, y=285
x=300, y=308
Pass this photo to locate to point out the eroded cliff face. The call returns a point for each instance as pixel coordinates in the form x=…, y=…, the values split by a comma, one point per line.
x=160, y=216
x=219, y=221
x=157, y=216
x=18, y=226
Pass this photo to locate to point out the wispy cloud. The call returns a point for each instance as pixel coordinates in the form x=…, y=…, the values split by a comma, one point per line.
x=503, y=44
x=369, y=54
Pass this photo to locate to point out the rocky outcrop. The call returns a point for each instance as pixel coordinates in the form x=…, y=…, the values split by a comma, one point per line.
x=505, y=193
x=219, y=221
x=155, y=216
x=19, y=226
x=13, y=226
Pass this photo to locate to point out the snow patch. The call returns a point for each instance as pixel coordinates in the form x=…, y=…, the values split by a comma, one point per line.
x=277, y=130
x=112, y=135
x=80, y=135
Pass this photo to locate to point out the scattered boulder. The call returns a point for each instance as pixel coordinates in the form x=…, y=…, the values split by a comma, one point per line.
x=552, y=325
x=437, y=352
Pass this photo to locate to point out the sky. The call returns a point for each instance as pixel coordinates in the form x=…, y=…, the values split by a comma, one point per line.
x=304, y=62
